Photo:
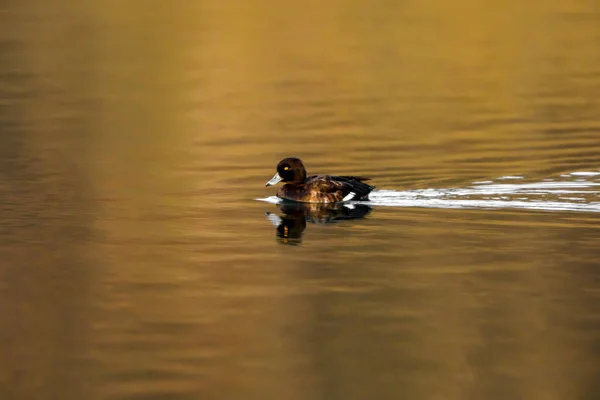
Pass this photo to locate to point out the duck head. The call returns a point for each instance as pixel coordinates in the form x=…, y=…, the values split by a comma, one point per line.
x=289, y=170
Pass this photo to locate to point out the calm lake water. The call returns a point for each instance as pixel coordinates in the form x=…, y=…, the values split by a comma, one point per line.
x=143, y=258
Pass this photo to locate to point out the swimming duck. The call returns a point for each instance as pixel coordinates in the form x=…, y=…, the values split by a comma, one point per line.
x=317, y=188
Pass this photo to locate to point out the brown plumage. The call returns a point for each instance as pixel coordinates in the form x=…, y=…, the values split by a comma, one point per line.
x=317, y=188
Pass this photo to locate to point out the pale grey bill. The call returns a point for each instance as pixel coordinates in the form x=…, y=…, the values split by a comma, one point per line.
x=275, y=180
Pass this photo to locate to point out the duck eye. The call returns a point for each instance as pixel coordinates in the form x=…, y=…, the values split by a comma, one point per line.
x=286, y=168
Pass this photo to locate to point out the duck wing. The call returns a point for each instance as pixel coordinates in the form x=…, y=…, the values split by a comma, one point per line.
x=339, y=188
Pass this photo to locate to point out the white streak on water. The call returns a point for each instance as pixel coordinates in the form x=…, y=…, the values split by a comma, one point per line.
x=392, y=198
x=584, y=173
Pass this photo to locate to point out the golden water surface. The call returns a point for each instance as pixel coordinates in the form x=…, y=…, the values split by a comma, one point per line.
x=136, y=263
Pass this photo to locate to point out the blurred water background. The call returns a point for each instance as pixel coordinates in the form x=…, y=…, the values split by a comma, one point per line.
x=136, y=137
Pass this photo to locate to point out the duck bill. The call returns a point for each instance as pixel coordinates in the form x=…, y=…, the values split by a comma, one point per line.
x=275, y=180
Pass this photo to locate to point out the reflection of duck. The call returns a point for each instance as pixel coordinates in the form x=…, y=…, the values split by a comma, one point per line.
x=291, y=225
x=317, y=188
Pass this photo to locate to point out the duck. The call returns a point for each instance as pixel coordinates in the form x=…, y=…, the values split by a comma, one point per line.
x=317, y=188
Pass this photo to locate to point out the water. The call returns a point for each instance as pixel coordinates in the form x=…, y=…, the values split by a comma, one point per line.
x=137, y=262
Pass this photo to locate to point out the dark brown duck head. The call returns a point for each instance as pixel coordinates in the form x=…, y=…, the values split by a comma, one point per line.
x=289, y=170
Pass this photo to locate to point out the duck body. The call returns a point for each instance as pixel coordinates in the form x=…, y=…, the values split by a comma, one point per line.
x=326, y=189
x=317, y=188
